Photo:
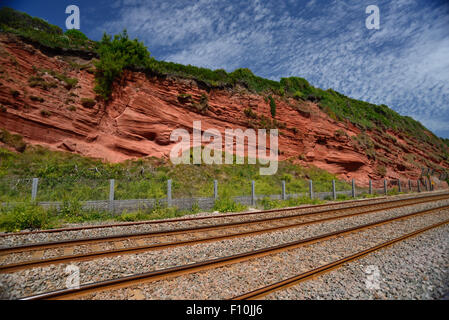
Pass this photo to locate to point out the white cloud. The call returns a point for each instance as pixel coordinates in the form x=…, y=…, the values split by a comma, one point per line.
x=404, y=64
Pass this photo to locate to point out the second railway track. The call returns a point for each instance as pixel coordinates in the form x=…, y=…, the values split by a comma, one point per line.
x=140, y=279
x=196, y=235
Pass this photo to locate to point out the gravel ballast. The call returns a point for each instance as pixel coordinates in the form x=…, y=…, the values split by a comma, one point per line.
x=229, y=281
x=417, y=268
x=37, y=280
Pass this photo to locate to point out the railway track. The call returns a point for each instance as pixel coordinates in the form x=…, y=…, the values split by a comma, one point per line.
x=218, y=262
x=174, y=220
x=281, y=285
x=191, y=236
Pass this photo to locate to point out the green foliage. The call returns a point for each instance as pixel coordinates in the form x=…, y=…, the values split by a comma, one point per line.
x=41, y=32
x=20, y=20
x=268, y=203
x=250, y=113
x=272, y=106
x=158, y=212
x=298, y=95
x=69, y=82
x=184, y=97
x=203, y=105
x=343, y=197
x=363, y=142
x=120, y=53
x=393, y=191
x=88, y=103
x=13, y=140
x=45, y=113
x=296, y=86
x=115, y=55
x=226, y=204
x=37, y=81
x=340, y=133
x=39, y=99
x=26, y=215
x=133, y=216
x=76, y=34
x=71, y=211
x=217, y=78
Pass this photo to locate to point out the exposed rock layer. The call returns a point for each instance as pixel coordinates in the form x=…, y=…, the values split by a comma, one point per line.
x=143, y=111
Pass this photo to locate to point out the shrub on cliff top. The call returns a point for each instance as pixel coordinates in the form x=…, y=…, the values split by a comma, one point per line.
x=76, y=34
x=40, y=31
x=115, y=55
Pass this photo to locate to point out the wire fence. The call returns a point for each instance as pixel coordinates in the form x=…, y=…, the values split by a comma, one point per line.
x=118, y=195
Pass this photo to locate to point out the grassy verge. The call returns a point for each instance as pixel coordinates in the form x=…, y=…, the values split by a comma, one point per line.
x=30, y=216
x=65, y=176
x=268, y=204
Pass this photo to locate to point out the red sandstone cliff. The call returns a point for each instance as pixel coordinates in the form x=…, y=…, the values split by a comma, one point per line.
x=143, y=111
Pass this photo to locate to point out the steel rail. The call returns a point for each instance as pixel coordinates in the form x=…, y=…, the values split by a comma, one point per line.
x=284, y=284
x=145, y=248
x=127, y=224
x=213, y=263
x=121, y=237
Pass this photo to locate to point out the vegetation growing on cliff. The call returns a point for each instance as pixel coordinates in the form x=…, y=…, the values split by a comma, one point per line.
x=119, y=52
x=70, y=176
x=272, y=106
x=41, y=32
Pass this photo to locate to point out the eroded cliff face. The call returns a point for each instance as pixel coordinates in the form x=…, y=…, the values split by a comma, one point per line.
x=143, y=111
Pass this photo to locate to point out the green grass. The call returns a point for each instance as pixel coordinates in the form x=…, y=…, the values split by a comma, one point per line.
x=268, y=203
x=28, y=215
x=67, y=176
x=41, y=32
x=69, y=82
x=226, y=204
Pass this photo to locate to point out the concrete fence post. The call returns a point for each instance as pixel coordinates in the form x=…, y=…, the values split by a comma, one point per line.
x=419, y=186
x=370, y=186
x=169, y=198
x=253, y=193
x=34, y=189
x=111, y=194
x=215, y=189
x=311, y=189
x=399, y=185
x=334, y=190
x=385, y=187
x=284, y=195
x=353, y=188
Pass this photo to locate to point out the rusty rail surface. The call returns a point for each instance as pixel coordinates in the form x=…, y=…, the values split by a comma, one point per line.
x=214, y=263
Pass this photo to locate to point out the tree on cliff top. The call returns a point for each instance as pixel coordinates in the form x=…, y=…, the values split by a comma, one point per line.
x=115, y=55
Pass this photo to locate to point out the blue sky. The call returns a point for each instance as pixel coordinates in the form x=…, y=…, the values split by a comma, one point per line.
x=404, y=64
